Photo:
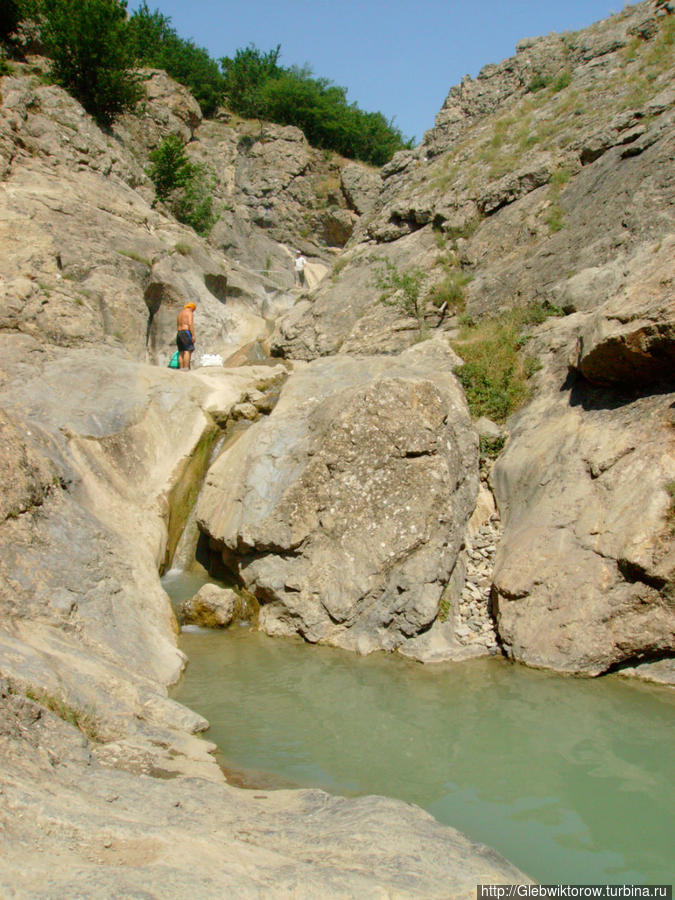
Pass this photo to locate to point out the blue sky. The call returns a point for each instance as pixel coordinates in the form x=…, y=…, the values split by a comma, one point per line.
x=399, y=58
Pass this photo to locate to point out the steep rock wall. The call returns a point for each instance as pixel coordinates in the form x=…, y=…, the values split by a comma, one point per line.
x=549, y=180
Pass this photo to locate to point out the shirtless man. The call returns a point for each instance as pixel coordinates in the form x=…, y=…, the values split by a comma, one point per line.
x=185, y=338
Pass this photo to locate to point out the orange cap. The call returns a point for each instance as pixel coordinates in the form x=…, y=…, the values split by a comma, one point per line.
x=190, y=305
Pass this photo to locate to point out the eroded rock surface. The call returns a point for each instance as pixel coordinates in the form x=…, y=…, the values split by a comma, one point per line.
x=548, y=180
x=354, y=512
x=102, y=452
x=585, y=569
x=542, y=177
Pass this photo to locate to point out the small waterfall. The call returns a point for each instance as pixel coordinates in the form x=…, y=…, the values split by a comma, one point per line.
x=186, y=548
x=186, y=557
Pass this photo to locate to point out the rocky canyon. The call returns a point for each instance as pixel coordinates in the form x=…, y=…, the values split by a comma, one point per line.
x=368, y=502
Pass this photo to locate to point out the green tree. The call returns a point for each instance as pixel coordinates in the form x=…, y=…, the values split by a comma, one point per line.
x=257, y=86
x=155, y=43
x=246, y=74
x=192, y=203
x=169, y=167
x=87, y=43
x=403, y=290
x=185, y=187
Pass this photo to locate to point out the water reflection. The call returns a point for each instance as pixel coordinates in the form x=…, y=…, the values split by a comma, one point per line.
x=571, y=779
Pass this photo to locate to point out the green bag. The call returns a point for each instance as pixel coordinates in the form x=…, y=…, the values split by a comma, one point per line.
x=173, y=362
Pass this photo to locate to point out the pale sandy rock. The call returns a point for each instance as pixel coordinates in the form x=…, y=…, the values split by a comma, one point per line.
x=630, y=340
x=440, y=644
x=167, y=108
x=88, y=260
x=106, y=450
x=487, y=428
x=336, y=226
x=346, y=312
x=270, y=186
x=584, y=571
x=41, y=125
x=29, y=477
x=484, y=511
x=515, y=185
x=661, y=671
x=551, y=222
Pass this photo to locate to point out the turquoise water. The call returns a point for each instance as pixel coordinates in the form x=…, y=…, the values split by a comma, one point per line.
x=570, y=779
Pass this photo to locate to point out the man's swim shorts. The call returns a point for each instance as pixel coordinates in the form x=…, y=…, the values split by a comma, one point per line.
x=184, y=341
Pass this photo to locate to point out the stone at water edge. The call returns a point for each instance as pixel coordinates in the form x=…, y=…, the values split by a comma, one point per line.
x=211, y=607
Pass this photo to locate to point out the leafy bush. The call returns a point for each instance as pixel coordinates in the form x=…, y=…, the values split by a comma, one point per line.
x=559, y=178
x=185, y=186
x=192, y=204
x=86, y=41
x=495, y=372
x=539, y=82
x=491, y=446
x=4, y=65
x=245, y=75
x=562, y=81
x=402, y=289
x=555, y=213
x=450, y=290
x=154, y=43
x=170, y=167
x=554, y=217
x=93, y=47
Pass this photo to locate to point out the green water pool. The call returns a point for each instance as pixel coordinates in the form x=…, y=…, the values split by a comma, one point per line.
x=570, y=779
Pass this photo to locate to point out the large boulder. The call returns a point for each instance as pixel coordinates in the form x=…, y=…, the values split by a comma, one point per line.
x=361, y=186
x=168, y=108
x=630, y=340
x=344, y=511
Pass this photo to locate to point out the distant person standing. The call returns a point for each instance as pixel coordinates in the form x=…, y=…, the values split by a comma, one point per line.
x=185, y=337
x=299, y=268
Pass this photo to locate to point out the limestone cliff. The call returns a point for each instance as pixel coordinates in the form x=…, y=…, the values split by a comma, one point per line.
x=547, y=180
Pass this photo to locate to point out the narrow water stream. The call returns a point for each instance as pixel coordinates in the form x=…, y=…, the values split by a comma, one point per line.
x=571, y=779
